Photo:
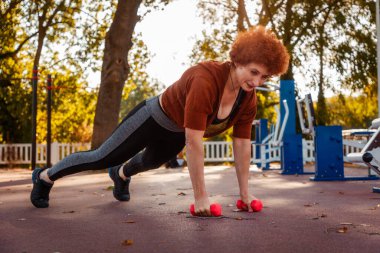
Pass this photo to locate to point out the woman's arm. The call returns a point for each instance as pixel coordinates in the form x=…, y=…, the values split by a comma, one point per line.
x=195, y=162
x=242, y=154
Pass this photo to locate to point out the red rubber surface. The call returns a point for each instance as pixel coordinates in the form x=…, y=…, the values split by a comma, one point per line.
x=298, y=216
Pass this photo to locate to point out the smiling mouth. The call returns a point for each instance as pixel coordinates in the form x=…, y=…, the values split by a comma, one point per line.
x=250, y=86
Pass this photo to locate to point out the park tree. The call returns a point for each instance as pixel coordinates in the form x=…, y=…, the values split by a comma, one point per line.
x=63, y=38
x=115, y=67
x=139, y=86
x=53, y=36
x=345, y=47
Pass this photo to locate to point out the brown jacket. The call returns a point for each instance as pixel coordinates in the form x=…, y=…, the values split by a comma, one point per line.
x=193, y=101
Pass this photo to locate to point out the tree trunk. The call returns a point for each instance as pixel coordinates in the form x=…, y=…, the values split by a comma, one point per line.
x=115, y=70
x=321, y=115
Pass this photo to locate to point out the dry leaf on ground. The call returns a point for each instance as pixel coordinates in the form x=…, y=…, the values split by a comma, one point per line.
x=109, y=188
x=342, y=230
x=127, y=242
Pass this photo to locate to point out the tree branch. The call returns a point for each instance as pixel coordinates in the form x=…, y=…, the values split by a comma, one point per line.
x=12, y=53
x=270, y=15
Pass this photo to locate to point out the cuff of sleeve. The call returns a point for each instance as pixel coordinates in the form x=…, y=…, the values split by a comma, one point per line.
x=242, y=131
x=195, y=120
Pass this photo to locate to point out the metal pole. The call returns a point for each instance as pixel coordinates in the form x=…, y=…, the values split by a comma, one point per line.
x=34, y=115
x=378, y=54
x=48, y=137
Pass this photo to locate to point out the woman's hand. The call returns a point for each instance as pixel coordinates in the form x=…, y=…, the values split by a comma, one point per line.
x=202, y=207
x=195, y=160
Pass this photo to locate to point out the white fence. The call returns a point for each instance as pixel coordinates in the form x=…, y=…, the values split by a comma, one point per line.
x=215, y=151
x=21, y=153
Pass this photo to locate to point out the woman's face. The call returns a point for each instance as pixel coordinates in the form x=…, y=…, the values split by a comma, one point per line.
x=251, y=75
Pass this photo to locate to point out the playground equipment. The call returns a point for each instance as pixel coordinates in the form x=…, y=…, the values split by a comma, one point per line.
x=370, y=154
x=284, y=135
x=272, y=142
x=49, y=88
x=265, y=142
x=328, y=145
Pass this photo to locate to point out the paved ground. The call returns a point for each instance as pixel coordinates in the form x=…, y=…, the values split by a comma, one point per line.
x=299, y=215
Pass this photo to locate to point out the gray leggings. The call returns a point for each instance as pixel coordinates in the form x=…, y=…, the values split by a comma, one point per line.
x=146, y=135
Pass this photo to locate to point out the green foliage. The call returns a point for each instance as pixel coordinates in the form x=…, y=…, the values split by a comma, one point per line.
x=15, y=101
x=73, y=108
x=352, y=112
x=73, y=33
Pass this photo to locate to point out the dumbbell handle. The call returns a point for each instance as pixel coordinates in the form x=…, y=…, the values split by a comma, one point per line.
x=256, y=205
x=215, y=209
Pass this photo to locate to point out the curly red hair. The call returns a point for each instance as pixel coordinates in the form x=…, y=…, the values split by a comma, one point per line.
x=260, y=46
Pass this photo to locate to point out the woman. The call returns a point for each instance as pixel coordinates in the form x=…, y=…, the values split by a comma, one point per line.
x=208, y=99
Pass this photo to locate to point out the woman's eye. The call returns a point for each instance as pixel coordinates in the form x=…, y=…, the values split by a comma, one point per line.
x=254, y=72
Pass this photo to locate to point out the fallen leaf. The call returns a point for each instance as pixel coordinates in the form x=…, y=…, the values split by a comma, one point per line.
x=322, y=192
x=346, y=223
x=373, y=233
x=181, y=212
x=161, y=203
x=109, y=188
x=238, y=218
x=68, y=212
x=342, y=230
x=127, y=242
x=312, y=204
x=129, y=221
x=181, y=194
x=342, y=193
x=323, y=215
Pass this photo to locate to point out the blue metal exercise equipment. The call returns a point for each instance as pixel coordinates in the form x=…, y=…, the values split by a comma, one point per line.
x=328, y=146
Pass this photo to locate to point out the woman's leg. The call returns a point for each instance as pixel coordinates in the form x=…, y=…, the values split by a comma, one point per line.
x=157, y=152
x=131, y=136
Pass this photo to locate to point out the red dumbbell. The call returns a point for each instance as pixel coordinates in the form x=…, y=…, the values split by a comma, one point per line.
x=256, y=205
x=215, y=209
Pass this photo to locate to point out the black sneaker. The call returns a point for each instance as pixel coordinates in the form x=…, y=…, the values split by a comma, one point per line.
x=41, y=189
x=121, y=187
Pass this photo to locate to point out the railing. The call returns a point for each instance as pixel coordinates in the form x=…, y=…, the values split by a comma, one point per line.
x=21, y=153
x=215, y=151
